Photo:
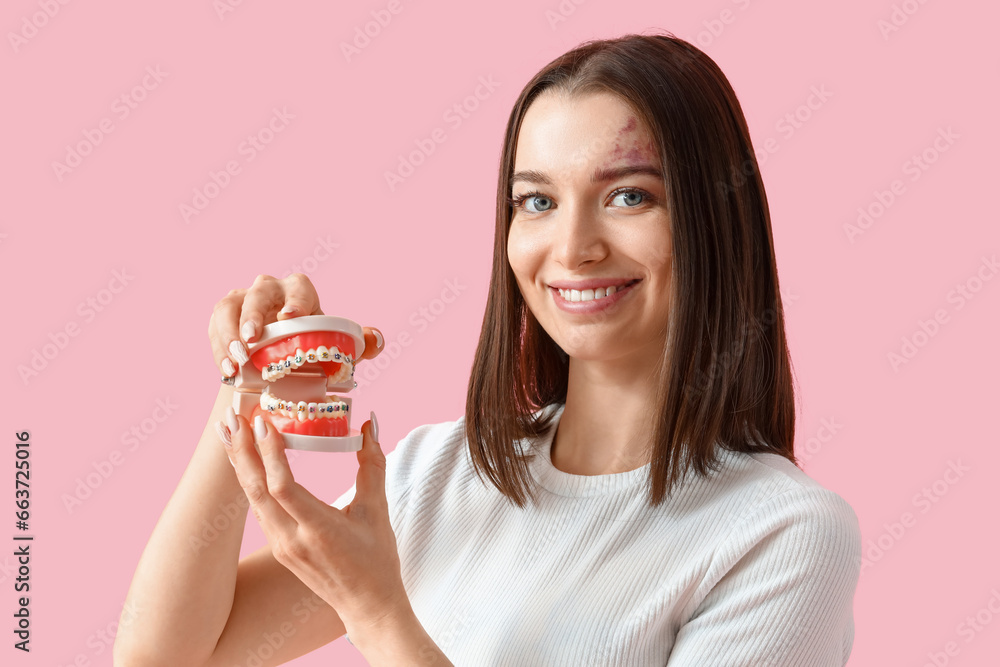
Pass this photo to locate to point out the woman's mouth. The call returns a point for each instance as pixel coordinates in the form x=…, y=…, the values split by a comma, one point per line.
x=592, y=299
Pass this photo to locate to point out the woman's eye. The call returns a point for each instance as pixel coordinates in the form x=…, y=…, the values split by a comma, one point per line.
x=542, y=203
x=630, y=199
x=532, y=202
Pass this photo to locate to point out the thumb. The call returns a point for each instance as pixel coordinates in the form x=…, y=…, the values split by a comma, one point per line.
x=371, y=462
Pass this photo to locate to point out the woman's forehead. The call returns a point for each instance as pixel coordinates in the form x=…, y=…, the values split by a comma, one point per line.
x=568, y=132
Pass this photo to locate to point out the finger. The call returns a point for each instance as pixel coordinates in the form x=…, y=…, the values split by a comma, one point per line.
x=301, y=505
x=262, y=302
x=374, y=343
x=273, y=518
x=223, y=331
x=370, y=486
x=300, y=297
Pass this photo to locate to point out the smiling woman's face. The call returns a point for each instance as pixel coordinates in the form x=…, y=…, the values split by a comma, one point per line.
x=598, y=218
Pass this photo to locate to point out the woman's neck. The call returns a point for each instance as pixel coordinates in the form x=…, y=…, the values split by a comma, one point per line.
x=605, y=427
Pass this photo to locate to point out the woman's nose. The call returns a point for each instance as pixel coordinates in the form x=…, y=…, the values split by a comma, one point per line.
x=579, y=237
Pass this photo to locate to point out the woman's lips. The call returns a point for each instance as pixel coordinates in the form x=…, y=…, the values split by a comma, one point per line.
x=594, y=305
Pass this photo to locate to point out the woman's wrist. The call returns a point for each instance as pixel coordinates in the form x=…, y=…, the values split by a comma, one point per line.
x=396, y=639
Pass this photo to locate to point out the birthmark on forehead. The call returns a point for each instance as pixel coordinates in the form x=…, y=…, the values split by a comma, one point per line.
x=628, y=147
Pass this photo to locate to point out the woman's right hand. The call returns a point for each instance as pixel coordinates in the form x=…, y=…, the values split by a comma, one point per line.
x=240, y=316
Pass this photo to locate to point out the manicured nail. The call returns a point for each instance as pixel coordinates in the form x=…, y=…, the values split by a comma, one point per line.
x=374, y=427
x=287, y=310
x=258, y=428
x=379, y=342
x=227, y=367
x=223, y=432
x=239, y=352
x=248, y=330
x=234, y=425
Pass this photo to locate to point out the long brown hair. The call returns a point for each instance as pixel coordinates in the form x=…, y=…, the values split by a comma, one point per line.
x=726, y=372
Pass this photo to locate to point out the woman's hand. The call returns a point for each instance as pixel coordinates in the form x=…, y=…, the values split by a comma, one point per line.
x=240, y=316
x=348, y=557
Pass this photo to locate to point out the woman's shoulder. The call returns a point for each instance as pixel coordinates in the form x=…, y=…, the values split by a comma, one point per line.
x=772, y=493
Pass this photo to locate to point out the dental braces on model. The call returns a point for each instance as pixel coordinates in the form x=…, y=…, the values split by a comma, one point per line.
x=289, y=378
x=276, y=370
x=302, y=410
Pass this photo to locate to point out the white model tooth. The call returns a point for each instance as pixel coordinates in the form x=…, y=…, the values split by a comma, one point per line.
x=611, y=289
x=587, y=295
x=599, y=293
x=311, y=409
x=323, y=353
x=300, y=411
x=311, y=356
x=574, y=295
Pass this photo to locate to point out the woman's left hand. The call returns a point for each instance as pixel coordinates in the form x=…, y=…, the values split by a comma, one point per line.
x=348, y=557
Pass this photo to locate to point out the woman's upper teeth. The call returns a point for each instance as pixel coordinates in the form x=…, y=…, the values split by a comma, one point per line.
x=587, y=294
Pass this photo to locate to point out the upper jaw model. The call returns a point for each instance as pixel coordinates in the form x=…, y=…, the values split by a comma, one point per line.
x=292, y=368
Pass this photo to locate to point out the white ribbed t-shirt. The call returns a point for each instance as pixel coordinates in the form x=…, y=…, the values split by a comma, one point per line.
x=754, y=565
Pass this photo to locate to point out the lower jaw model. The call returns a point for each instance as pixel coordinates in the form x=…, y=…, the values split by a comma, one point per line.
x=292, y=368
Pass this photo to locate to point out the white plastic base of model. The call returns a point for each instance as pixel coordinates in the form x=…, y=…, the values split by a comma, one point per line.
x=315, y=443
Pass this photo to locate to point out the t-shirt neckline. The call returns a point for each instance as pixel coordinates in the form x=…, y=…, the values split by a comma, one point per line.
x=566, y=484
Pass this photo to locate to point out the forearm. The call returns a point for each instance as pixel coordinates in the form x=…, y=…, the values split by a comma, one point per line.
x=182, y=591
x=398, y=640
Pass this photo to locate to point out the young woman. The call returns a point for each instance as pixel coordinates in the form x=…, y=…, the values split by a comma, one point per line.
x=622, y=489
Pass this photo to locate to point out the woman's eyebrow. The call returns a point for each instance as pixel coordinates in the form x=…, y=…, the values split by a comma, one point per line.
x=530, y=176
x=600, y=176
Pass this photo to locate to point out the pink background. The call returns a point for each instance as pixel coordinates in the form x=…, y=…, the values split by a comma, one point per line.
x=896, y=431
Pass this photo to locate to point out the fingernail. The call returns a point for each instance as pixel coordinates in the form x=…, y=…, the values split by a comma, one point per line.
x=248, y=330
x=258, y=428
x=287, y=310
x=234, y=425
x=378, y=339
x=374, y=427
x=223, y=432
x=227, y=367
x=239, y=352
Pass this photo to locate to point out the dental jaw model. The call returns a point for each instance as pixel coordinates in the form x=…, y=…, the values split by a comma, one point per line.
x=294, y=367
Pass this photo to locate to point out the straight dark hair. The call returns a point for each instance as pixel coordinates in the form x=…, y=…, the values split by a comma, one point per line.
x=726, y=374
